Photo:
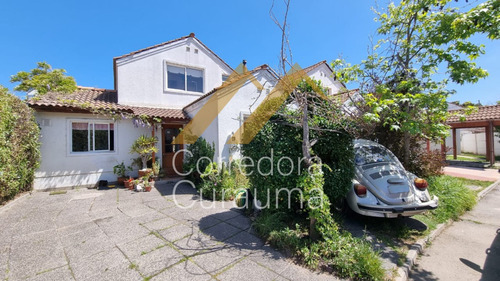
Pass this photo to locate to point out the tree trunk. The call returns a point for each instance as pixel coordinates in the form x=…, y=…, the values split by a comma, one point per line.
x=306, y=152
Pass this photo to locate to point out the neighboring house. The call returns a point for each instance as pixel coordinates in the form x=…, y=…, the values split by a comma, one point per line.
x=86, y=133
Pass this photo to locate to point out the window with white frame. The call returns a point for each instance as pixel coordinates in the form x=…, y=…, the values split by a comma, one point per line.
x=184, y=78
x=92, y=136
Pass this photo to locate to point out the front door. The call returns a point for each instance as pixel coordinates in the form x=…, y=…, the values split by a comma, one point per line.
x=171, y=151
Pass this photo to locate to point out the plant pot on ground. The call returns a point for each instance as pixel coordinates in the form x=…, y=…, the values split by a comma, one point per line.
x=145, y=172
x=120, y=171
x=129, y=183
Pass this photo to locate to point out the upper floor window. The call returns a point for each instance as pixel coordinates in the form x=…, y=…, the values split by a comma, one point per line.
x=92, y=136
x=184, y=78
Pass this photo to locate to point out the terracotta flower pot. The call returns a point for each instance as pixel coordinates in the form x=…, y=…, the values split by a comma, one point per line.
x=121, y=180
x=148, y=188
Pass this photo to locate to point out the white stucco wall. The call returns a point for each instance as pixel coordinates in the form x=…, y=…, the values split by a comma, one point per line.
x=324, y=74
x=476, y=143
x=61, y=168
x=229, y=120
x=141, y=78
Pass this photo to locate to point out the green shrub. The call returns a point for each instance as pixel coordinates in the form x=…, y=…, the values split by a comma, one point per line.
x=454, y=198
x=221, y=183
x=199, y=149
x=350, y=257
x=20, y=146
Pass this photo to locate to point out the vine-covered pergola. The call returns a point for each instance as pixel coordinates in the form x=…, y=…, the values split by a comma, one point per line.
x=487, y=117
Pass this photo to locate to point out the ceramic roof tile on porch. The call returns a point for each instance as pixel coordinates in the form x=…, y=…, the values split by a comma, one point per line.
x=483, y=113
x=85, y=98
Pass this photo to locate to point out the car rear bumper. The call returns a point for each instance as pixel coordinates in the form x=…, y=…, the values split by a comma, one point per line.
x=396, y=211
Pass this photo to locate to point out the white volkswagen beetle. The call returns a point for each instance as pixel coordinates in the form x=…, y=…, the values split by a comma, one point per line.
x=383, y=188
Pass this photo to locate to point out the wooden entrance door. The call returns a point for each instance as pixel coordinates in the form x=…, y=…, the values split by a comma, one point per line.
x=170, y=132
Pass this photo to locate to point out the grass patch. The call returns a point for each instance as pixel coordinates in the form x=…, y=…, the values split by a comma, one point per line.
x=58, y=192
x=347, y=256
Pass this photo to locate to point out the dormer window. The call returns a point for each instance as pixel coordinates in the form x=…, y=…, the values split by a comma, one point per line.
x=184, y=78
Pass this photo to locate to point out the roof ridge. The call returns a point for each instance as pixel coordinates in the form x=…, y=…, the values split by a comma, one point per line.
x=311, y=67
x=155, y=46
x=478, y=107
x=95, y=89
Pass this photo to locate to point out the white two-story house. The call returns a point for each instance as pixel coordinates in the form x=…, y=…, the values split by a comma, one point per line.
x=86, y=133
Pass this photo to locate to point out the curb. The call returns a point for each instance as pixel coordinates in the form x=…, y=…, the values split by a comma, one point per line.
x=419, y=246
x=9, y=204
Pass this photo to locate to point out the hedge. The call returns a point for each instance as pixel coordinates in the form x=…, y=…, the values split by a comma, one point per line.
x=19, y=146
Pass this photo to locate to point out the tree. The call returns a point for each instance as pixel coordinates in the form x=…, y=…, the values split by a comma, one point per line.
x=144, y=146
x=398, y=79
x=19, y=149
x=44, y=79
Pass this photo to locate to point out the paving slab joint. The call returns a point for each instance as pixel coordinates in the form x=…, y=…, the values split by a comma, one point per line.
x=419, y=246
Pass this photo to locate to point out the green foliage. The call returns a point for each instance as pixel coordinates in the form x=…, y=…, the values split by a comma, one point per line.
x=120, y=170
x=350, y=257
x=222, y=183
x=144, y=146
x=286, y=141
x=421, y=163
x=200, y=151
x=419, y=39
x=20, y=149
x=44, y=79
x=454, y=198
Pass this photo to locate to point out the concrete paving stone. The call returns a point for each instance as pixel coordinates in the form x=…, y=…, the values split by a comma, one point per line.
x=216, y=260
x=161, y=223
x=141, y=246
x=86, y=243
x=221, y=231
x=240, y=221
x=197, y=243
x=31, y=225
x=119, y=273
x=154, y=262
x=72, y=229
x=224, y=216
x=4, y=261
x=35, y=253
x=159, y=204
x=182, y=215
x=120, y=230
x=247, y=270
x=153, y=215
x=87, y=268
x=207, y=222
x=60, y=273
x=98, y=213
x=68, y=220
x=245, y=242
x=184, y=271
x=177, y=232
x=134, y=209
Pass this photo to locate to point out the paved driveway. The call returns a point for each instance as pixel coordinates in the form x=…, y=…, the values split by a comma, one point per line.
x=118, y=234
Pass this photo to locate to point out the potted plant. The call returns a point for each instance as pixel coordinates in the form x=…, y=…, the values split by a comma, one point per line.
x=147, y=183
x=156, y=169
x=129, y=183
x=144, y=146
x=120, y=171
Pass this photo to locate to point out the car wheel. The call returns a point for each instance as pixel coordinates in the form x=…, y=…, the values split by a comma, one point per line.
x=340, y=205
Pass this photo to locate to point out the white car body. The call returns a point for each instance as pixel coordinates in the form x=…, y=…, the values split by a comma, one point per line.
x=390, y=189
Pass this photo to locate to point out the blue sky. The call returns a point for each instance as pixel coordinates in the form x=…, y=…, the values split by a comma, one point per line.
x=84, y=36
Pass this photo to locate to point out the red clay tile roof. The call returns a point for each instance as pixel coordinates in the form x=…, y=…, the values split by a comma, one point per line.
x=85, y=97
x=483, y=113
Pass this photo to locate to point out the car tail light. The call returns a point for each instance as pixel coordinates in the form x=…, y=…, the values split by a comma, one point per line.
x=360, y=190
x=421, y=183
